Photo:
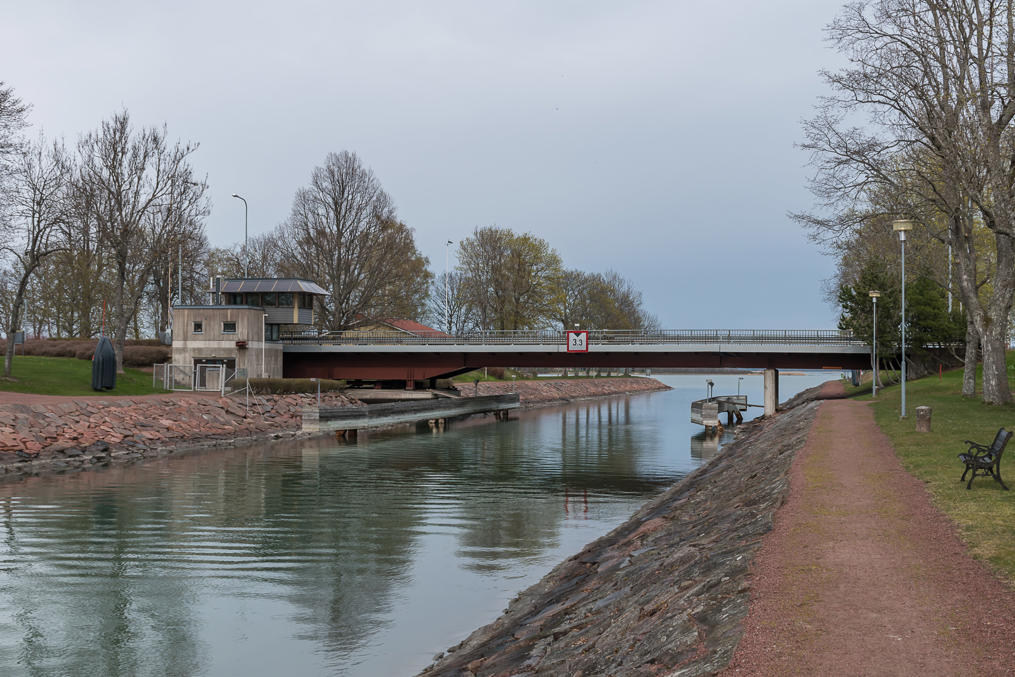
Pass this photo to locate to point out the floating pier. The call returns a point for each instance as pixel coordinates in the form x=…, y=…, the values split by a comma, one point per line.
x=435, y=411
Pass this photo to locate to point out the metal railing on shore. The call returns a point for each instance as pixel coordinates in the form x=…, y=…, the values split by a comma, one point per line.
x=828, y=337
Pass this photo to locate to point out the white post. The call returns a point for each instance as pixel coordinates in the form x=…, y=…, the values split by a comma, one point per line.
x=771, y=391
x=901, y=226
x=246, y=256
x=949, y=274
x=903, y=236
x=874, y=294
x=874, y=384
x=447, y=303
x=263, y=316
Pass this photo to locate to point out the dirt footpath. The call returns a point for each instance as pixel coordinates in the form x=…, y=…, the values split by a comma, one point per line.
x=862, y=576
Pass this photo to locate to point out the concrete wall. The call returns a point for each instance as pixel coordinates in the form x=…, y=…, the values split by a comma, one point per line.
x=214, y=343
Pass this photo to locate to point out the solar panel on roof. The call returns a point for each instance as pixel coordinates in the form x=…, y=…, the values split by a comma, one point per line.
x=235, y=286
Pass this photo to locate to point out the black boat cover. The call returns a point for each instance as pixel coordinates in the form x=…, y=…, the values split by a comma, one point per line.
x=104, y=366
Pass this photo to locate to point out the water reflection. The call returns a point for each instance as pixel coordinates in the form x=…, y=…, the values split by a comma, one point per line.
x=317, y=557
x=706, y=445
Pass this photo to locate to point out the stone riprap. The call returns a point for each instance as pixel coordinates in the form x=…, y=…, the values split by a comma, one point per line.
x=533, y=393
x=76, y=433
x=664, y=593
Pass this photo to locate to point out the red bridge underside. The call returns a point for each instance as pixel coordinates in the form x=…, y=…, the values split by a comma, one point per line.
x=425, y=366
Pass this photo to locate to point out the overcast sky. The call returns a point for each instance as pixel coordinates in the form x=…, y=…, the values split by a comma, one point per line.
x=652, y=138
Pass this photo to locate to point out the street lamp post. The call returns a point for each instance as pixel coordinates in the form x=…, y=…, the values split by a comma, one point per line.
x=447, y=303
x=874, y=294
x=902, y=226
x=246, y=257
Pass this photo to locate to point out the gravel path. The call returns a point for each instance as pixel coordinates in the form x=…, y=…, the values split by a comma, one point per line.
x=863, y=576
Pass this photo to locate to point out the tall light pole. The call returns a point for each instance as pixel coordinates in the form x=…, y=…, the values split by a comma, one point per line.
x=902, y=226
x=874, y=294
x=447, y=303
x=246, y=257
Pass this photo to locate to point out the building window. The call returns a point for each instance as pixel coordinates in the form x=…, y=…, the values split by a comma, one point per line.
x=268, y=300
x=228, y=327
x=306, y=300
x=198, y=327
x=285, y=300
x=235, y=300
x=253, y=299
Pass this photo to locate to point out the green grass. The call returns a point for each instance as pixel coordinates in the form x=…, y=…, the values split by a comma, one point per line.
x=985, y=514
x=70, y=376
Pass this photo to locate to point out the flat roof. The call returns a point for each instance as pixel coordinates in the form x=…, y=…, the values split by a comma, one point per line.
x=270, y=284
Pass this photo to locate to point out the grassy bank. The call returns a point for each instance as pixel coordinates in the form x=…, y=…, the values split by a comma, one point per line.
x=986, y=513
x=70, y=376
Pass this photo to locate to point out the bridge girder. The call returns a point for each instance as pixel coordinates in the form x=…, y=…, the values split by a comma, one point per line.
x=421, y=366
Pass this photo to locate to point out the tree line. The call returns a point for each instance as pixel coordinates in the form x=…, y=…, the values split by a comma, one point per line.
x=92, y=236
x=918, y=127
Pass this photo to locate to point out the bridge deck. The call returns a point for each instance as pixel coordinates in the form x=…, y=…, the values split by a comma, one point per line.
x=388, y=356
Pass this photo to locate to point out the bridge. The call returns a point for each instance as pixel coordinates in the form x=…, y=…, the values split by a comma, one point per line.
x=412, y=358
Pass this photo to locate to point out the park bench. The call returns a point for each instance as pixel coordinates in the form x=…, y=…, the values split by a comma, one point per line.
x=984, y=460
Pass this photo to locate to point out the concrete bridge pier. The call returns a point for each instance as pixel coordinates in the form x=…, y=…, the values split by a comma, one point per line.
x=771, y=391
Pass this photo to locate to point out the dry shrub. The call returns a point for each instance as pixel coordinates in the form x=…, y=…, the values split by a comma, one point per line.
x=495, y=372
x=145, y=355
x=288, y=386
x=85, y=352
x=136, y=353
x=52, y=348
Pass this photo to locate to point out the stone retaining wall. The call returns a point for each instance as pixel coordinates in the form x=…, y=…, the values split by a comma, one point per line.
x=57, y=435
x=664, y=593
x=564, y=390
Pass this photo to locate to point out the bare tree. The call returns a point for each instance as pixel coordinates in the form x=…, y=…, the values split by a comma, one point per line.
x=38, y=207
x=448, y=305
x=512, y=281
x=142, y=188
x=265, y=258
x=13, y=118
x=343, y=234
x=937, y=81
x=601, y=301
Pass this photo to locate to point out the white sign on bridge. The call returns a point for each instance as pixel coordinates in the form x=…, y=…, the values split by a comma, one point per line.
x=577, y=341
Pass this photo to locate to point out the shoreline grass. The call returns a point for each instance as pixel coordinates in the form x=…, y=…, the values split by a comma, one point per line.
x=72, y=377
x=985, y=514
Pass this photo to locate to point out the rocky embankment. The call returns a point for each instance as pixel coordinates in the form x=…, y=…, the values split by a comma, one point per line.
x=664, y=593
x=63, y=433
x=74, y=433
x=539, y=393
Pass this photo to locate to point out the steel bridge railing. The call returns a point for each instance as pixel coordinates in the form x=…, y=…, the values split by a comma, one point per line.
x=824, y=337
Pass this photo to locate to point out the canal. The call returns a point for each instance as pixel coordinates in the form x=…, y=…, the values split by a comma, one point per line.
x=317, y=558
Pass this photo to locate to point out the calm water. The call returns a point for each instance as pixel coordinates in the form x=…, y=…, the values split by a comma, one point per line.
x=316, y=558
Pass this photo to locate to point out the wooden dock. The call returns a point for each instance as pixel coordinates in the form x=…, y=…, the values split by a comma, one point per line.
x=395, y=413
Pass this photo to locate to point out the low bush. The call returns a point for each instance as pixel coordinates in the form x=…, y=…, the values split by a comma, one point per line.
x=289, y=386
x=142, y=353
x=145, y=355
